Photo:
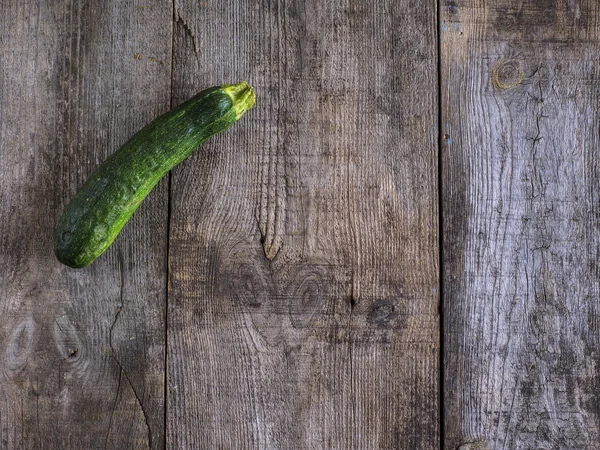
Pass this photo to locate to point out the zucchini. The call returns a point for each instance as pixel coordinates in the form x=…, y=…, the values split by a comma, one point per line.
x=95, y=216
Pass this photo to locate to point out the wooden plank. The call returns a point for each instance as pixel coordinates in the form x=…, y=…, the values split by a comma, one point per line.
x=81, y=351
x=303, y=306
x=520, y=176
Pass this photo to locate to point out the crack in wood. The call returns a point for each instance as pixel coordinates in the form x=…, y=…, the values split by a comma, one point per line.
x=112, y=413
x=187, y=28
x=118, y=362
x=272, y=211
x=124, y=373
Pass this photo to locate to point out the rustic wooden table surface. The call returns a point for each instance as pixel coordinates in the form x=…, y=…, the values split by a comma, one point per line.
x=395, y=249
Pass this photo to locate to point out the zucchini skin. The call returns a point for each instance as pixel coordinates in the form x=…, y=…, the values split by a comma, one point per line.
x=95, y=216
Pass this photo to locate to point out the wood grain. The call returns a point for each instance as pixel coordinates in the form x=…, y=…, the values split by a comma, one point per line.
x=304, y=242
x=81, y=352
x=520, y=182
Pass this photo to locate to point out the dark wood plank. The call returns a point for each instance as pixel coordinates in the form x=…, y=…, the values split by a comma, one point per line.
x=81, y=351
x=521, y=195
x=303, y=307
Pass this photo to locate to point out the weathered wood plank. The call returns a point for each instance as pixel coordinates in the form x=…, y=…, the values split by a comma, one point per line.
x=521, y=195
x=304, y=243
x=81, y=352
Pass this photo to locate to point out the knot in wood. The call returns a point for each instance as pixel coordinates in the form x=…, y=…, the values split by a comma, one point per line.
x=507, y=73
x=479, y=445
x=506, y=21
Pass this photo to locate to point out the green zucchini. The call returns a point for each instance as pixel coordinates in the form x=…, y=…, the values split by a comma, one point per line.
x=95, y=216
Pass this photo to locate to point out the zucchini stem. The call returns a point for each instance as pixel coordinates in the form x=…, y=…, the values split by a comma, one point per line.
x=242, y=97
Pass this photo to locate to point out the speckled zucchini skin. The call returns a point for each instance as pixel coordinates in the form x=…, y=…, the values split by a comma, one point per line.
x=96, y=215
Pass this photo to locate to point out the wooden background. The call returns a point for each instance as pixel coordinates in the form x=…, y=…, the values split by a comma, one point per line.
x=395, y=249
